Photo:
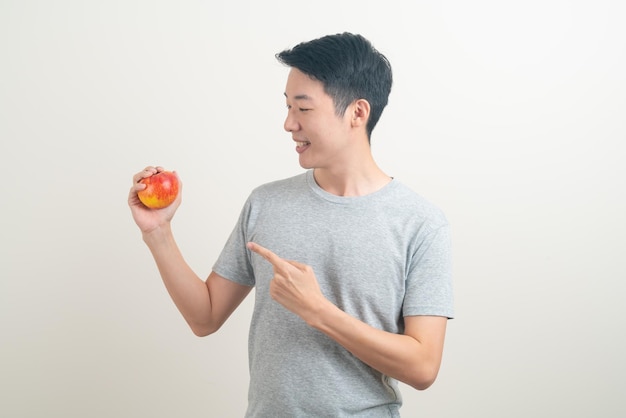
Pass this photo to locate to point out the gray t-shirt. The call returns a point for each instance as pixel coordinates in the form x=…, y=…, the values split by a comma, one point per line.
x=378, y=257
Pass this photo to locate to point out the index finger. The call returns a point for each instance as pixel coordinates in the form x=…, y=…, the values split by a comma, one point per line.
x=147, y=172
x=265, y=253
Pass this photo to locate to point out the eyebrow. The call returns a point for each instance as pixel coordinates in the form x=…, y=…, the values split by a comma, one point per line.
x=300, y=97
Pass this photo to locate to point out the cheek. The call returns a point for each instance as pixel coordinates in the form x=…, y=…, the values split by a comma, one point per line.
x=325, y=129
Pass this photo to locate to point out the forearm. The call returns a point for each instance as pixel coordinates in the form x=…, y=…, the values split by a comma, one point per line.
x=402, y=357
x=187, y=290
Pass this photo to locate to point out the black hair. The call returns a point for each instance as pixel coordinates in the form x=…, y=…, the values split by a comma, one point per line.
x=349, y=67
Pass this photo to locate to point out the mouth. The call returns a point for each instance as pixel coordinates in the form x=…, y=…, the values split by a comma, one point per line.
x=301, y=146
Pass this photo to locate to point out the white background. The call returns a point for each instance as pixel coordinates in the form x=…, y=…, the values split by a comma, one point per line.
x=510, y=116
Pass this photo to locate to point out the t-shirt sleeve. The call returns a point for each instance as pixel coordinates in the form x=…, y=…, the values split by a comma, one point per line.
x=233, y=262
x=429, y=281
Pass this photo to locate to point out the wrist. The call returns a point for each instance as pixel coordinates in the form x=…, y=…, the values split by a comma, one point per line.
x=159, y=234
x=321, y=314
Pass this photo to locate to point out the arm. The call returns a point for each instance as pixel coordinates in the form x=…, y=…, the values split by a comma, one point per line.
x=205, y=305
x=413, y=357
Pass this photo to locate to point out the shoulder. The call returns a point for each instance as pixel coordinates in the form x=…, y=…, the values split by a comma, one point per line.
x=407, y=202
x=277, y=191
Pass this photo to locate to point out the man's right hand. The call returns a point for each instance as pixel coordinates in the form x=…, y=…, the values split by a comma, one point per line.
x=148, y=219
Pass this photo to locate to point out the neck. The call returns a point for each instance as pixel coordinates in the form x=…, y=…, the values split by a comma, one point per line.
x=352, y=180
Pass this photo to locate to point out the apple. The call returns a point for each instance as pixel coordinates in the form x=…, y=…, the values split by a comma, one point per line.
x=161, y=190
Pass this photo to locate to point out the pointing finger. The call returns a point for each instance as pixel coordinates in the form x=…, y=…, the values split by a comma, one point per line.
x=265, y=253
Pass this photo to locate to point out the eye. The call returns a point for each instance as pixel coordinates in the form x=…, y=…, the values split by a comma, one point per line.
x=300, y=109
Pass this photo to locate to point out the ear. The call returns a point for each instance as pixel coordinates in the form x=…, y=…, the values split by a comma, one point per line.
x=360, y=111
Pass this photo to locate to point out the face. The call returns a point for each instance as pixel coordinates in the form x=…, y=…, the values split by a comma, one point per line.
x=320, y=135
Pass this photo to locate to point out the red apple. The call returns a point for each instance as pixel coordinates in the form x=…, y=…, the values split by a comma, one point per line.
x=161, y=190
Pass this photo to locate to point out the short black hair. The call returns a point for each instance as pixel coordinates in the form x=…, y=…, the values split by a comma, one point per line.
x=349, y=67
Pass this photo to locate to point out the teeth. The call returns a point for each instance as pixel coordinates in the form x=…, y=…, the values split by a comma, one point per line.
x=301, y=144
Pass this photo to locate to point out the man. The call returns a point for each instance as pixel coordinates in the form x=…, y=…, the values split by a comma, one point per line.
x=351, y=268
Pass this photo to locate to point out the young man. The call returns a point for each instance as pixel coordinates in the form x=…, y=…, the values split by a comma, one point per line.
x=351, y=268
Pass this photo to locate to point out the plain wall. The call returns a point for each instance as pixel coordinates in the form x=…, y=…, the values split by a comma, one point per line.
x=510, y=116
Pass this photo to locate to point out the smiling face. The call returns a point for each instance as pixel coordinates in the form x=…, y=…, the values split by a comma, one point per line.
x=321, y=136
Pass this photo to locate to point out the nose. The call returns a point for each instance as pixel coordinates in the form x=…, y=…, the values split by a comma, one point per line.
x=291, y=125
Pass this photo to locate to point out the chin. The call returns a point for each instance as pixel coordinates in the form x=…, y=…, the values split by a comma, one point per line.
x=306, y=165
